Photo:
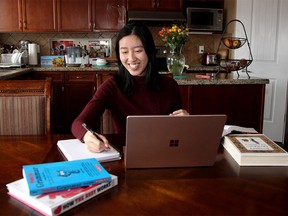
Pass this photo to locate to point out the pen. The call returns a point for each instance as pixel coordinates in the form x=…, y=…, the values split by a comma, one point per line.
x=93, y=132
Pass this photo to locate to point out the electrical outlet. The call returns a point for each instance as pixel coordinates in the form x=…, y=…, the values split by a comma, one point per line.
x=201, y=49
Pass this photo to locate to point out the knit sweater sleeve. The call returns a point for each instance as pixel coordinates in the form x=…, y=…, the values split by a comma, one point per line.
x=93, y=110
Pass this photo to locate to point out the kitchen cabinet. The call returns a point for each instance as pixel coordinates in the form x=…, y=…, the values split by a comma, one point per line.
x=28, y=16
x=163, y=5
x=79, y=90
x=91, y=15
x=71, y=92
x=204, y=3
x=109, y=15
x=243, y=104
x=58, y=106
x=74, y=15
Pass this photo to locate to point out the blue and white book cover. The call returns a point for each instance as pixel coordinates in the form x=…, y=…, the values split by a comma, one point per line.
x=56, y=176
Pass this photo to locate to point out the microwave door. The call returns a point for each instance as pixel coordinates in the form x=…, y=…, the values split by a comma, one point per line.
x=201, y=20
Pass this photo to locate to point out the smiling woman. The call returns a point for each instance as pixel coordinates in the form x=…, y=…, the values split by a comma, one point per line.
x=137, y=88
x=133, y=55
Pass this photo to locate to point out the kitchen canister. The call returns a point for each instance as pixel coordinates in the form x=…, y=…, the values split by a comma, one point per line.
x=32, y=52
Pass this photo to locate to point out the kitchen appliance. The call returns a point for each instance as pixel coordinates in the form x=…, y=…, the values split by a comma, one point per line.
x=161, y=54
x=210, y=59
x=204, y=19
x=73, y=56
x=159, y=18
x=24, y=48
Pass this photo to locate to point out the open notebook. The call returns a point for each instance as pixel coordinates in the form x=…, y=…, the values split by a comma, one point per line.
x=172, y=141
x=73, y=149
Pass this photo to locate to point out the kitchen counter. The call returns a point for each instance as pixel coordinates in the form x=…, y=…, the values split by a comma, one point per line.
x=77, y=69
x=220, y=79
x=204, y=76
x=10, y=73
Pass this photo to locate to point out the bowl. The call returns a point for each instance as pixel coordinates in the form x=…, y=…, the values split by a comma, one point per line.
x=233, y=42
x=101, y=62
x=234, y=64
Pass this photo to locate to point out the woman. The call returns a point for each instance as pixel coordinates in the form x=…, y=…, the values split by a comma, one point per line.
x=137, y=89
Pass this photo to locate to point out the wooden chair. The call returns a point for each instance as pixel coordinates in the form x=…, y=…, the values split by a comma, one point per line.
x=25, y=107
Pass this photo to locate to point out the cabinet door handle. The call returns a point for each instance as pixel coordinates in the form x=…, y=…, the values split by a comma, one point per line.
x=154, y=3
x=25, y=25
x=158, y=3
x=79, y=77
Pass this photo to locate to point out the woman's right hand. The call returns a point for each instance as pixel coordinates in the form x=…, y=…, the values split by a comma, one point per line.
x=95, y=145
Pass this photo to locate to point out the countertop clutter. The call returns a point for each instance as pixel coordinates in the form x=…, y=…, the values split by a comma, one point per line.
x=196, y=76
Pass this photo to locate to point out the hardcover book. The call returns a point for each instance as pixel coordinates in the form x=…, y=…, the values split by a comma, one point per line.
x=73, y=149
x=255, y=150
x=234, y=129
x=56, y=176
x=56, y=203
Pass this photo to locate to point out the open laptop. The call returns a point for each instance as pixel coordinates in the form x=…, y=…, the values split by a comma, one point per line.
x=172, y=141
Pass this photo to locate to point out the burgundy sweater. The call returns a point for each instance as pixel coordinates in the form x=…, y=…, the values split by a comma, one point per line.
x=142, y=102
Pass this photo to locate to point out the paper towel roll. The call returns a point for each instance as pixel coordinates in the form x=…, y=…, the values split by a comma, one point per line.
x=32, y=51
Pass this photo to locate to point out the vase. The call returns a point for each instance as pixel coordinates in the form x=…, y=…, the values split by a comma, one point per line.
x=175, y=61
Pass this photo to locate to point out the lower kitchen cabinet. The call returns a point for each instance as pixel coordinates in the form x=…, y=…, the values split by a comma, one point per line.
x=71, y=92
x=242, y=103
x=79, y=89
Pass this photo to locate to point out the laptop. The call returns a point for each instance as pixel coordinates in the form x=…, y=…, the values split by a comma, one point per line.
x=159, y=141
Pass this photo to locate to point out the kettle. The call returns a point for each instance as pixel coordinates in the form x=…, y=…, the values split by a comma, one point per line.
x=210, y=59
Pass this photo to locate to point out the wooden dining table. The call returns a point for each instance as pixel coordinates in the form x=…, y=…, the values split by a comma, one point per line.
x=222, y=189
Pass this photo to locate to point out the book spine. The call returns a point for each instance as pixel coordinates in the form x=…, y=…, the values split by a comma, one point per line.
x=89, y=194
x=68, y=186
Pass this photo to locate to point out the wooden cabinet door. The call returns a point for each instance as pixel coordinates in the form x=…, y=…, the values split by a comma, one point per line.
x=169, y=5
x=243, y=104
x=109, y=15
x=58, y=108
x=205, y=3
x=141, y=4
x=39, y=16
x=74, y=15
x=79, y=90
x=149, y=5
x=28, y=16
x=10, y=16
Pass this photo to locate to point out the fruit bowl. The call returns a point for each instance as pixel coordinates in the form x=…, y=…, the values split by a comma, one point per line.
x=233, y=42
x=234, y=64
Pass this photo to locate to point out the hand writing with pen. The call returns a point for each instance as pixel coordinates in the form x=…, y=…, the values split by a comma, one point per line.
x=95, y=142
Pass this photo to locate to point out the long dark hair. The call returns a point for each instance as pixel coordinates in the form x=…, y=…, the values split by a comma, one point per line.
x=124, y=79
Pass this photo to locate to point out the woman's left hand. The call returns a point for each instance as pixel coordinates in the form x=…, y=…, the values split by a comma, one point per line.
x=180, y=112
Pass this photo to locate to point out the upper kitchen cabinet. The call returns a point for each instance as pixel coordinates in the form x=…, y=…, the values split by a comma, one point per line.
x=160, y=5
x=109, y=15
x=74, y=15
x=28, y=16
x=204, y=3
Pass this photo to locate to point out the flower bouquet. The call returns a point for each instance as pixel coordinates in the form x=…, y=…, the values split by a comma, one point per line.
x=174, y=38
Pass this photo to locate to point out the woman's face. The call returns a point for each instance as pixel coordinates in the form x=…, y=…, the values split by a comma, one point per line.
x=133, y=55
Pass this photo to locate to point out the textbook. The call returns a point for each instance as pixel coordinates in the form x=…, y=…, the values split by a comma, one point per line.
x=255, y=150
x=74, y=149
x=56, y=176
x=56, y=203
x=234, y=129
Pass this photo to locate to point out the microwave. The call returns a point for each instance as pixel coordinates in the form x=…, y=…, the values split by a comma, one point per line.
x=205, y=19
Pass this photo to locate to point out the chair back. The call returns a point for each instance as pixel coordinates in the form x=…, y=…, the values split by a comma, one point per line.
x=25, y=107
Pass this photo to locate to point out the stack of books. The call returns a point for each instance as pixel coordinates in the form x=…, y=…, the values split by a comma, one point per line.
x=250, y=148
x=54, y=188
